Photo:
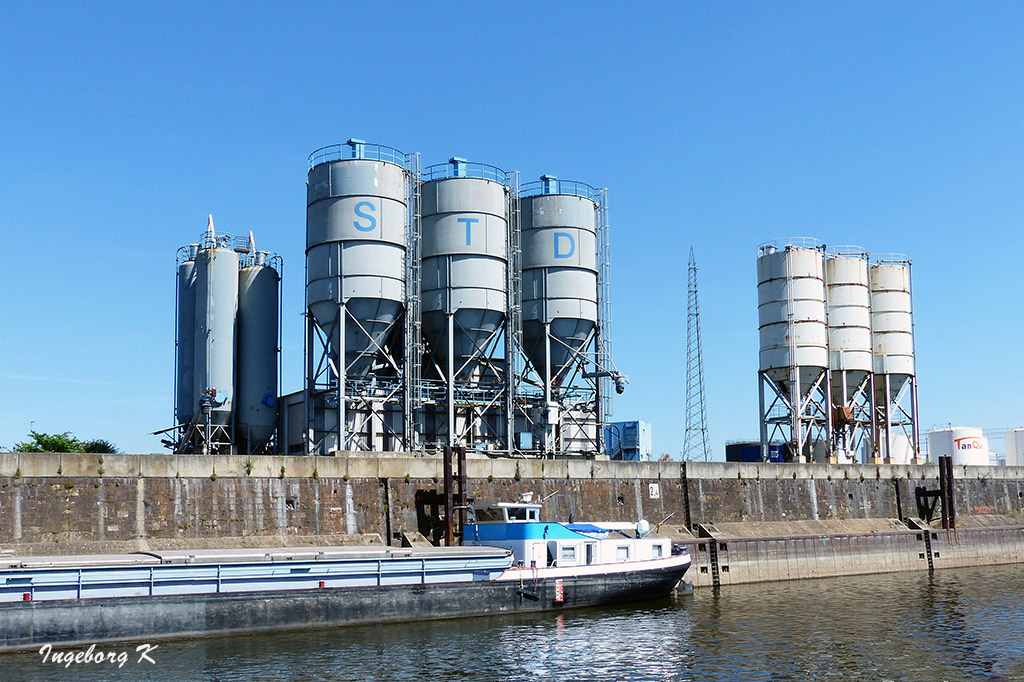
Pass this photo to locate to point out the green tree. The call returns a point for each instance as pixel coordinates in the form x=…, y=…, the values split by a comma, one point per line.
x=62, y=442
x=99, y=445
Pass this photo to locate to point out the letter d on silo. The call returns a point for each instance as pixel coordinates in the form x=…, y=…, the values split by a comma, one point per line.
x=569, y=249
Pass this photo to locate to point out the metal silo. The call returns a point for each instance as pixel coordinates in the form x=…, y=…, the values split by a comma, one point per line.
x=464, y=282
x=849, y=341
x=216, y=273
x=185, y=342
x=892, y=340
x=357, y=234
x=794, y=362
x=559, y=237
x=258, y=332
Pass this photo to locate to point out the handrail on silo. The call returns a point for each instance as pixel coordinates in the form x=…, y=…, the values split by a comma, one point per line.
x=552, y=185
x=848, y=251
x=771, y=247
x=357, y=149
x=892, y=259
x=460, y=168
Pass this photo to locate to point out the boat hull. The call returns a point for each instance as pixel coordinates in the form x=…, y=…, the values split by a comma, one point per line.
x=69, y=622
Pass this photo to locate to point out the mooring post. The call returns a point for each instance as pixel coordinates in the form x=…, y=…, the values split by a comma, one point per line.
x=449, y=498
x=463, y=493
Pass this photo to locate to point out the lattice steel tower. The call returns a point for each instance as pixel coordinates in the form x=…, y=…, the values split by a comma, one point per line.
x=695, y=442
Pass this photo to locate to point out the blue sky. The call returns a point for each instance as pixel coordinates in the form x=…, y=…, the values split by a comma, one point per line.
x=894, y=126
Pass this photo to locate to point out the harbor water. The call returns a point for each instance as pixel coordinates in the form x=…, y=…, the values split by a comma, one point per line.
x=957, y=625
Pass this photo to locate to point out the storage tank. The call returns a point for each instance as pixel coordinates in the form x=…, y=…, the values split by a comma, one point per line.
x=258, y=305
x=849, y=321
x=791, y=312
x=559, y=271
x=965, y=444
x=184, y=380
x=794, y=360
x=892, y=332
x=216, y=273
x=464, y=251
x=1014, y=447
x=356, y=240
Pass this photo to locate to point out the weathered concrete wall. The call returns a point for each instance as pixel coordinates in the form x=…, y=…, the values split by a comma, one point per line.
x=63, y=499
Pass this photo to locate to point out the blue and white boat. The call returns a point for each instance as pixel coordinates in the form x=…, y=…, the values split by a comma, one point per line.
x=512, y=562
x=581, y=563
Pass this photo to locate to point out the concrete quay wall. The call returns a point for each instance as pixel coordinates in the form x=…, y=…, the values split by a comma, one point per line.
x=763, y=514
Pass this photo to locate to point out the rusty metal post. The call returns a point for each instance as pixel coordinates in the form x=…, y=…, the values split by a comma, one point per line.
x=463, y=492
x=946, y=491
x=449, y=498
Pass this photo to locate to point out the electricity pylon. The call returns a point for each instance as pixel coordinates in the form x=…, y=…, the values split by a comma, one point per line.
x=695, y=442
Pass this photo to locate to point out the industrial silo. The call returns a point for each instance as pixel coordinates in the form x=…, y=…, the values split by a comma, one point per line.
x=892, y=340
x=257, y=368
x=794, y=362
x=185, y=331
x=357, y=232
x=464, y=284
x=849, y=341
x=216, y=273
x=559, y=232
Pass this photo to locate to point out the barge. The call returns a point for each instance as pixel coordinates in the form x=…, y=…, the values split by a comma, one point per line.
x=154, y=595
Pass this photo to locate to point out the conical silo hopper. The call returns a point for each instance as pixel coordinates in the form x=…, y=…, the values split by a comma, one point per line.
x=464, y=259
x=559, y=274
x=791, y=315
x=892, y=331
x=849, y=341
x=794, y=358
x=356, y=240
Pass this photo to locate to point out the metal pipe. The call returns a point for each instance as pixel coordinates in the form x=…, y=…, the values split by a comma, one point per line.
x=451, y=378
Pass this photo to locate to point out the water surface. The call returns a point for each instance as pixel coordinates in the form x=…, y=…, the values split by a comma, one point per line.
x=957, y=625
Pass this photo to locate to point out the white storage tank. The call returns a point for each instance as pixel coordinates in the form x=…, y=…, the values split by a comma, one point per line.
x=1015, y=448
x=791, y=312
x=892, y=331
x=965, y=444
x=849, y=320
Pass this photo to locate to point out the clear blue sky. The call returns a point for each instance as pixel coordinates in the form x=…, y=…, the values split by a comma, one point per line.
x=898, y=127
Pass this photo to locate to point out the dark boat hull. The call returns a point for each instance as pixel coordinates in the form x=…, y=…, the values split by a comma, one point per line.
x=29, y=625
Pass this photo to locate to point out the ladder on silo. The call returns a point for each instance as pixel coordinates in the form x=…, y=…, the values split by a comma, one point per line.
x=413, y=336
x=514, y=330
x=604, y=311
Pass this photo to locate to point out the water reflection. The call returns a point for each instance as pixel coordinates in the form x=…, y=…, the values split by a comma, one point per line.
x=954, y=625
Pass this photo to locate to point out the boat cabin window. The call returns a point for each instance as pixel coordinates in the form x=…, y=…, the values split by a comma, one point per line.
x=523, y=514
x=656, y=551
x=568, y=553
x=488, y=514
x=622, y=553
x=590, y=550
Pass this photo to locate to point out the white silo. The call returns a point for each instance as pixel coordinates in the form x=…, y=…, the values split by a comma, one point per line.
x=849, y=341
x=357, y=233
x=892, y=340
x=965, y=444
x=1014, y=439
x=794, y=362
x=465, y=243
x=559, y=235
